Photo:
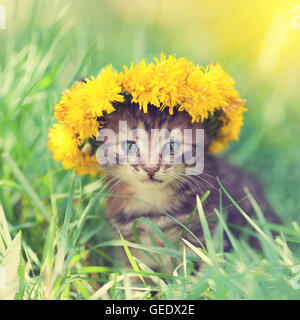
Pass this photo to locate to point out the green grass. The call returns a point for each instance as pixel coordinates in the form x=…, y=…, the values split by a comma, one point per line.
x=58, y=219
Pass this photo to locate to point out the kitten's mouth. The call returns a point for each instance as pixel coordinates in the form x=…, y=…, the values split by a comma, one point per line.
x=152, y=180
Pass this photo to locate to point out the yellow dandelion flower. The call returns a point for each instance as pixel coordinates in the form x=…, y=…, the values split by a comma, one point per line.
x=71, y=100
x=232, y=120
x=140, y=83
x=64, y=143
x=89, y=165
x=172, y=75
x=73, y=111
x=170, y=82
x=100, y=92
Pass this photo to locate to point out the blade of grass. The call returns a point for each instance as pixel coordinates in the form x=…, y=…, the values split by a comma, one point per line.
x=77, y=73
x=156, y=279
x=157, y=250
x=198, y=252
x=84, y=292
x=248, y=219
x=258, y=212
x=4, y=230
x=228, y=232
x=26, y=185
x=163, y=212
x=80, y=224
x=157, y=231
x=63, y=240
x=207, y=235
x=190, y=218
x=154, y=228
x=130, y=257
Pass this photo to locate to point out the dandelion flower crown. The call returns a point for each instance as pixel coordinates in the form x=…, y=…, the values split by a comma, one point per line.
x=203, y=92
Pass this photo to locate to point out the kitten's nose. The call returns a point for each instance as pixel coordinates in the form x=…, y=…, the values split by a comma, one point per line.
x=151, y=170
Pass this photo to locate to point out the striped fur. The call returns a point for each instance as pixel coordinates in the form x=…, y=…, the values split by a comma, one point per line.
x=132, y=194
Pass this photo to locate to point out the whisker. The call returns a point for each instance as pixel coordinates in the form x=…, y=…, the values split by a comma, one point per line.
x=208, y=183
x=213, y=177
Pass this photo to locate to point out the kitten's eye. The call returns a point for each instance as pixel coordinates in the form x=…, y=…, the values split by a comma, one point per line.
x=171, y=147
x=130, y=147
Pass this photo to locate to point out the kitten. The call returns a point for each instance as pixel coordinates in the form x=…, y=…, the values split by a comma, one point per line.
x=141, y=189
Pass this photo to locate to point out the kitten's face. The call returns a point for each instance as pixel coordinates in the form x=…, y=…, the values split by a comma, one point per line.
x=147, y=158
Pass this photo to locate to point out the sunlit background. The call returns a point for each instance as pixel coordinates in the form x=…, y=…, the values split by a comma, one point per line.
x=49, y=44
x=257, y=42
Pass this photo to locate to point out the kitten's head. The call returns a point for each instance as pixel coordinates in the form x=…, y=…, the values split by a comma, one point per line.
x=149, y=150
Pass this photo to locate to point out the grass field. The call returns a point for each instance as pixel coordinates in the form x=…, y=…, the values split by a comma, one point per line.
x=54, y=239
